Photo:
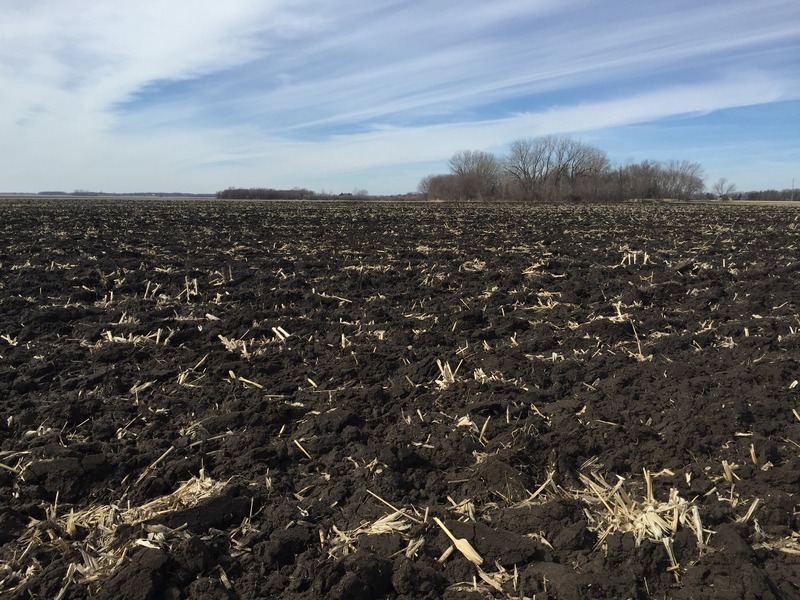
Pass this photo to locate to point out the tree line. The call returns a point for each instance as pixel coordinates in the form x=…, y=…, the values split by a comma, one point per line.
x=771, y=195
x=260, y=193
x=554, y=168
x=265, y=194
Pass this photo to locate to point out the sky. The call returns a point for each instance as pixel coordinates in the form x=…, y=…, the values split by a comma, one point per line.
x=201, y=95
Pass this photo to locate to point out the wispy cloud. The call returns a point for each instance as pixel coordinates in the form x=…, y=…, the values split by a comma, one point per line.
x=200, y=95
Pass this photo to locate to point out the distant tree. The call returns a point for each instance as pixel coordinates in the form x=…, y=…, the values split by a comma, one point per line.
x=555, y=168
x=642, y=180
x=424, y=185
x=478, y=173
x=585, y=167
x=265, y=194
x=440, y=187
x=682, y=179
x=772, y=195
x=723, y=189
x=528, y=165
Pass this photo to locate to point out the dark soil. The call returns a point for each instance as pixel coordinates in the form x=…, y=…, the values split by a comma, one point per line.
x=285, y=356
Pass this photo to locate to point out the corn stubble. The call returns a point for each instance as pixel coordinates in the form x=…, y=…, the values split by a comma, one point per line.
x=557, y=359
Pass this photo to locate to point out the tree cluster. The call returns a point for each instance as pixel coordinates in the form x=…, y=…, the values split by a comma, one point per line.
x=554, y=168
x=773, y=195
x=265, y=194
x=681, y=180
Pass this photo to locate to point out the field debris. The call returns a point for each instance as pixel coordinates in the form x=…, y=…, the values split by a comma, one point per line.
x=281, y=399
x=614, y=510
x=447, y=376
x=92, y=533
x=340, y=543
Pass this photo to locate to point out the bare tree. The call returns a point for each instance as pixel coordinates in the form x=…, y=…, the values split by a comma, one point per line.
x=584, y=169
x=553, y=167
x=641, y=180
x=424, y=185
x=478, y=173
x=440, y=187
x=682, y=179
x=723, y=189
x=528, y=165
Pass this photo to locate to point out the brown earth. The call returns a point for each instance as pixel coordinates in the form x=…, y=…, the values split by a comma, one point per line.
x=216, y=399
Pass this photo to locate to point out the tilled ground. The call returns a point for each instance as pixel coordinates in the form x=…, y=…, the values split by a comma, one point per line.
x=217, y=399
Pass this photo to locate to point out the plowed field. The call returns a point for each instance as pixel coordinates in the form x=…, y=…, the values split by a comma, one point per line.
x=216, y=399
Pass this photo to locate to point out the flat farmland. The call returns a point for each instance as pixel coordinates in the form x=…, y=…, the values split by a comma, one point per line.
x=221, y=399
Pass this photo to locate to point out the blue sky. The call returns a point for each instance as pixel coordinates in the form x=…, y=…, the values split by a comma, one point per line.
x=200, y=95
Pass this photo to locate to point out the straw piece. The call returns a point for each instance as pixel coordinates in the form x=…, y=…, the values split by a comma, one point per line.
x=649, y=482
x=446, y=554
x=750, y=511
x=303, y=450
x=482, y=435
x=447, y=375
x=541, y=488
x=727, y=471
x=343, y=542
x=394, y=508
x=488, y=579
x=149, y=469
x=390, y=523
x=461, y=544
x=698, y=527
x=252, y=383
x=413, y=547
x=674, y=566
